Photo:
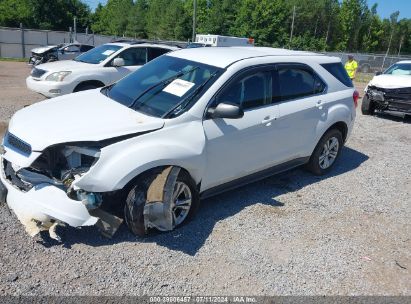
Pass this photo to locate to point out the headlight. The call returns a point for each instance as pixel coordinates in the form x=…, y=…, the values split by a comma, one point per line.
x=58, y=76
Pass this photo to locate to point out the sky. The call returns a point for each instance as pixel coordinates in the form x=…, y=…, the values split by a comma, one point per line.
x=385, y=7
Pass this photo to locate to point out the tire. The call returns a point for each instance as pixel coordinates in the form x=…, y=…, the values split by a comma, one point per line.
x=319, y=166
x=85, y=87
x=367, y=106
x=136, y=200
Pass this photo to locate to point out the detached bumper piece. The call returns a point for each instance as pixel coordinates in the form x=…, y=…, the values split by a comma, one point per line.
x=41, y=203
x=398, y=100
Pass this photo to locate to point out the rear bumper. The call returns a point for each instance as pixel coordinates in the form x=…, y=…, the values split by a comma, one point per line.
x=44, y=203
x=49, y=88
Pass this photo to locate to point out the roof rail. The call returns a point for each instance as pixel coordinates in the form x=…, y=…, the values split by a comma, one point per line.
x=179, y=44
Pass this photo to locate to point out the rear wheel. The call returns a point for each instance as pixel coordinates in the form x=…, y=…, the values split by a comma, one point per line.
x=367, y=106
x=185, y=202
x=326, y=152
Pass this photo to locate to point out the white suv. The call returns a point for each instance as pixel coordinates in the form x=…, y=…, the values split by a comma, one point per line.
x=188, y=125
x=96, y=68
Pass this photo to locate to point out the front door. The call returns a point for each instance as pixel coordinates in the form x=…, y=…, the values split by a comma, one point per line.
x=239, y=147
x=133, y=57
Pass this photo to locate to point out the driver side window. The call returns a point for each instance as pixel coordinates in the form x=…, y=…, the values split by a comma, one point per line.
x=134, y=56
x=251, y=90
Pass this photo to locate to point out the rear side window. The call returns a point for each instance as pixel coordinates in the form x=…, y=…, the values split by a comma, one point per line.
x=338, y=71
x=296, y=82
x=156, y=52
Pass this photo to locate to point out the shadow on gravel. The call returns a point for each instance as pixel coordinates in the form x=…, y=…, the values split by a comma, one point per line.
x=395, y=117
x=191, y=237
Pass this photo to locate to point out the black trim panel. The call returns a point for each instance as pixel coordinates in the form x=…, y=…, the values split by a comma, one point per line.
x=254, y=177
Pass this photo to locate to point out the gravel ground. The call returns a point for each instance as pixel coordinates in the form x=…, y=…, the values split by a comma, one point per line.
x=347, y=233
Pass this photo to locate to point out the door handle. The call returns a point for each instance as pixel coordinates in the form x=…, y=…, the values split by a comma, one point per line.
x=268, y=119
x=319, y=104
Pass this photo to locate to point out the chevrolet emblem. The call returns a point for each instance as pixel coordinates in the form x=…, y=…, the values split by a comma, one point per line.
x=2, y=150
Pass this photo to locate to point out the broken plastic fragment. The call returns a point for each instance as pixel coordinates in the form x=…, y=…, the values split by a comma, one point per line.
x=158, y=207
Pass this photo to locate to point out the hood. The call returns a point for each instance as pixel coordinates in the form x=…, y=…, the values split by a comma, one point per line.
x=43, y=49
x=64, y=65
x=386, y=81
x=83, y=116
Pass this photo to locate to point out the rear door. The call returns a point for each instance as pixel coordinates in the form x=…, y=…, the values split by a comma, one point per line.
x=302, y=106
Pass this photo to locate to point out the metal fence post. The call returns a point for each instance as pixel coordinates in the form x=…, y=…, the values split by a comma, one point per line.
x=23, y=46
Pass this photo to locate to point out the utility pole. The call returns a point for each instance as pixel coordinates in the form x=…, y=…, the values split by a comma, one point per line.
x=292, y=27
x=389, y=45
x=193, y=38
x=399, y=48
x=75, y=28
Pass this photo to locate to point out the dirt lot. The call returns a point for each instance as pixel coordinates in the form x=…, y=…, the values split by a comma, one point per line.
x=347, y=233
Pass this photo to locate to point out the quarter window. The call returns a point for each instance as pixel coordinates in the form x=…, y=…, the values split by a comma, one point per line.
x=296, y=82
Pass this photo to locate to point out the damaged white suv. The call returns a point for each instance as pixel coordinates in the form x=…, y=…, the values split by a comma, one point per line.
x=188, y=125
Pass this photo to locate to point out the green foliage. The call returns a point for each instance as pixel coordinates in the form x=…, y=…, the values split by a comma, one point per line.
x=332, y=25
x=44, y=14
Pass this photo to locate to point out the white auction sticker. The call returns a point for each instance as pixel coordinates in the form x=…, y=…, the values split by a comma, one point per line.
x=108, y=52
x=178, y=87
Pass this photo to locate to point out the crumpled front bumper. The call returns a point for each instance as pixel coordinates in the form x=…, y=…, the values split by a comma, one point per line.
x=45, y=203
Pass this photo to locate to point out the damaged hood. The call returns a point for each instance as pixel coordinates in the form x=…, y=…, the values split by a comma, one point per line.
x=43, y=49
x=391, y=81
x=83, y=116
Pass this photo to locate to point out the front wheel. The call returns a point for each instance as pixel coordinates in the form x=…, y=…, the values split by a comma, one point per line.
x=185, y=202
x=326, y=152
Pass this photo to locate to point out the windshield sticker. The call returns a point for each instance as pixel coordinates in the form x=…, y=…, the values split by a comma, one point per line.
x=178, y=87
x=108, y=52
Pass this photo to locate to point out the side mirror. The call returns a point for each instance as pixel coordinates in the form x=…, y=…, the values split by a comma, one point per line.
x=118, y=62
x=378, y=73
x=226, y=110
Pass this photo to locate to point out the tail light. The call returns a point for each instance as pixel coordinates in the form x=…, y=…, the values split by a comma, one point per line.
x=355, y=97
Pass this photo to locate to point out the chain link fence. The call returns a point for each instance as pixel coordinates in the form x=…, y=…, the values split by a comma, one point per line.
x=370, y=63
x=18, y=42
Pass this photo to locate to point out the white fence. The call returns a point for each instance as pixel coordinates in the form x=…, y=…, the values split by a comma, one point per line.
x=17, y=42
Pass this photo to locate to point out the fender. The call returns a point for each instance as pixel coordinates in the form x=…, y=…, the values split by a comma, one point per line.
x=182, y=145
x=338, y=112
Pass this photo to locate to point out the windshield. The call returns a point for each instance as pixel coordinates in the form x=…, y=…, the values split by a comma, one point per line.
x=399, y=69
x=164, y=87
x=98, y=54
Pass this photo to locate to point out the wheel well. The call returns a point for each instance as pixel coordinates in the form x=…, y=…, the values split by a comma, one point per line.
x=340, y=126
x=159, y=169
x=95, y=83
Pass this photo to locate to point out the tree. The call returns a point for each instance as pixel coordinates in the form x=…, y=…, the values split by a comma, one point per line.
x=112, y=19
x=264, y=20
